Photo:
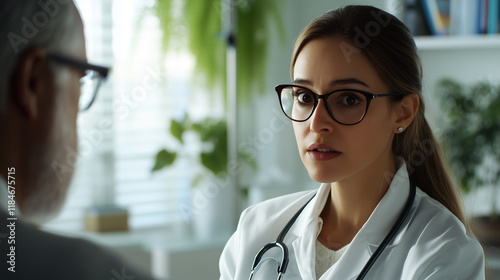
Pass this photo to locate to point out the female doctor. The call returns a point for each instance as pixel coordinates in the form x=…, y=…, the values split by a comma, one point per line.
x=387, y=208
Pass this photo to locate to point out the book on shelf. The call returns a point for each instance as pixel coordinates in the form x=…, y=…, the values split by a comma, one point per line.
x=414, y=18
x=437, y=14
x=493, y=16
x=452, y=17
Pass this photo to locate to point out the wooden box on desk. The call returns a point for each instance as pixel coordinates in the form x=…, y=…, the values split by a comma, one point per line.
x=106, y=219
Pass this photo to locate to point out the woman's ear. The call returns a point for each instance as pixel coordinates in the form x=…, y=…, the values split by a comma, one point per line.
x=406, y=110
x=28, y=83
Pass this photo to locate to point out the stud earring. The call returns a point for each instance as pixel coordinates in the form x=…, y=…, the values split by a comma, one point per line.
x=400, y=129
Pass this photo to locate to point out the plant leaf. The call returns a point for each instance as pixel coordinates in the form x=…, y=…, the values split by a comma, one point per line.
x=163, y=10
x=177, y=129
x=164, y=159
x=214, y=162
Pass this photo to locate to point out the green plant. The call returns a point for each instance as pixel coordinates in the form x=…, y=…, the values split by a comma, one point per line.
x=473, y=133
x=200, y=24
x=212, y=134
x=213, y=155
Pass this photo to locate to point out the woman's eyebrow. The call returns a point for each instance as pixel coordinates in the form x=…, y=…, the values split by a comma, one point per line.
x=346, y=81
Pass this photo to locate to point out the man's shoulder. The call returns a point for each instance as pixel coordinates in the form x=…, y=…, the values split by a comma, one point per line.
x=60, y=257
x=31, y=237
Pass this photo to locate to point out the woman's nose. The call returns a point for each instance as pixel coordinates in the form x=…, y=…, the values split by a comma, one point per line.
x=321, y=121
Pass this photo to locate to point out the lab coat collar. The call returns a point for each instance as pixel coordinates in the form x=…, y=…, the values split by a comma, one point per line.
x=303, y=234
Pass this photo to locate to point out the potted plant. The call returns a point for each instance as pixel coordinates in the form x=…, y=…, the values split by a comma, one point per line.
x=213, y=136
x=211, y=191
x=473, y=140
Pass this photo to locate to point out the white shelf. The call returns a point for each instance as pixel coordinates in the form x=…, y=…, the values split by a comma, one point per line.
x=425, y=43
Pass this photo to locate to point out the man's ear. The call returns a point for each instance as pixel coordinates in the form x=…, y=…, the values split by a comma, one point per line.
x=407, y=110
x=29, y=81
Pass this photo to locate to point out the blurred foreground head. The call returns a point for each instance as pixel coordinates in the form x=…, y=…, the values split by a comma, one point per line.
x=39, y=101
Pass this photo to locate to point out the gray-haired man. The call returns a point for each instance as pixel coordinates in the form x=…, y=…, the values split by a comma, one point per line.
x=43, y=62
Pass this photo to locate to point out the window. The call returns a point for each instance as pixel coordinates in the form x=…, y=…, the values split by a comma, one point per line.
x=121, y=133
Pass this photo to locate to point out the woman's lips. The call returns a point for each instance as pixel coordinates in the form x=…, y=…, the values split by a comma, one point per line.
x=322, y=152
x=322, y=156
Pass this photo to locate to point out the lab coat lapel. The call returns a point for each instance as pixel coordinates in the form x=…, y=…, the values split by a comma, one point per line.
x=302, y=237
x=374, y=230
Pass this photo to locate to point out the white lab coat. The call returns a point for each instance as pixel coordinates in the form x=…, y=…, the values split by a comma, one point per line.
x=41, y=255
x=431, y=244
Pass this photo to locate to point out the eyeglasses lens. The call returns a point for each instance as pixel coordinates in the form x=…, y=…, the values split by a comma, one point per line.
x=88, y=88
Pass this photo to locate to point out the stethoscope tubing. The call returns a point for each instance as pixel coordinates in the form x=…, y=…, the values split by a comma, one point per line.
x=392, y=233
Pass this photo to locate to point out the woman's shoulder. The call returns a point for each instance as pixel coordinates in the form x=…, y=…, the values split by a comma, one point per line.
x=435, y=219
x=441, y=243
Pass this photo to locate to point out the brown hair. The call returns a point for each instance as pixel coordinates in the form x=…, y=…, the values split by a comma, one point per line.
x=390, y=47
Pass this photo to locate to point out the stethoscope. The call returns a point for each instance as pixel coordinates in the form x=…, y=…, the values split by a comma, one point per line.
x=284, y=249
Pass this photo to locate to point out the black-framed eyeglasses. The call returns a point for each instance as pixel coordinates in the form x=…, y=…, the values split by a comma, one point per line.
x=345, y=106
x=90, y=83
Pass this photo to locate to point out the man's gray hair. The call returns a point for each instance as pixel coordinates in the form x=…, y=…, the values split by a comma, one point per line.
x=49, y=24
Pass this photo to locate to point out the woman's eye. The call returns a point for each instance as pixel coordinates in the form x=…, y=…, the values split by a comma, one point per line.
x=304, y=97
x=350, y=99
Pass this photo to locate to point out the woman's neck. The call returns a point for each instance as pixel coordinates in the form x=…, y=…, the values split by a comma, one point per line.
x=351, y=202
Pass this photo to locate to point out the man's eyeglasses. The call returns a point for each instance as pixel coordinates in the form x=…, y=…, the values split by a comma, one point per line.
x=345, y=106
x=90, y=83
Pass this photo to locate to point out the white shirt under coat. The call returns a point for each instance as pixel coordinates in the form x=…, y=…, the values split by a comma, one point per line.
x=432, y=243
